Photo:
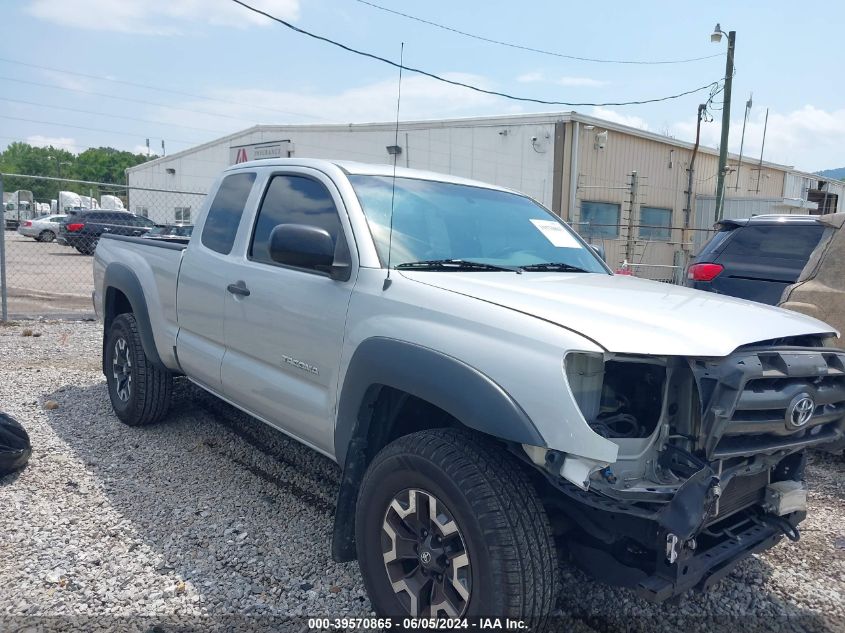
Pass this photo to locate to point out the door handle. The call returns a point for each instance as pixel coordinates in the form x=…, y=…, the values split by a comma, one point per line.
x=238, y=288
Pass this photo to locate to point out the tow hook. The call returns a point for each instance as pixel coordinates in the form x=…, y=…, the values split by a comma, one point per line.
x=790, y=531
x=671, y=548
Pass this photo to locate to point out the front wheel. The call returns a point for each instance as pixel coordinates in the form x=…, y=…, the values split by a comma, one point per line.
x=139, y=390
x=448, y=525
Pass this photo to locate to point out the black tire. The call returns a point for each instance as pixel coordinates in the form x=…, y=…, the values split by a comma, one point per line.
x=139, y=390
x=15, y=448
x=46, y=236
x=512, y=569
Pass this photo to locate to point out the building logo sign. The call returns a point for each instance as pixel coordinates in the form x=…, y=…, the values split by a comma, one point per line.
x=275, y=149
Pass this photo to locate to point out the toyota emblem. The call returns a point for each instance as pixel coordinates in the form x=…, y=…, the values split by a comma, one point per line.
x=800, y=411
x=425, y=557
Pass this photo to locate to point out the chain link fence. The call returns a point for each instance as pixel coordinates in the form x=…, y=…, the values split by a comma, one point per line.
x=45, y=256
x=51, y=227
x=659, y=253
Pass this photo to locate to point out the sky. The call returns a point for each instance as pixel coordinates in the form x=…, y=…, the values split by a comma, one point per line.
x=82, y=73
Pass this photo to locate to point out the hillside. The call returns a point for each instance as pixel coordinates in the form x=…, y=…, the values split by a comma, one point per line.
x=838, y=173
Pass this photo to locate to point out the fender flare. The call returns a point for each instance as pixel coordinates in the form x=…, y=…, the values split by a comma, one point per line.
x=120, y=277
x=461, y=390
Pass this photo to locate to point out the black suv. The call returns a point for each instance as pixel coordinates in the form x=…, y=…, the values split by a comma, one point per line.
x=82, y=230
x=755, y=258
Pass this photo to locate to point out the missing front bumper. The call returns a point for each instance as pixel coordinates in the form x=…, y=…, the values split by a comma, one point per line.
x=700, y=569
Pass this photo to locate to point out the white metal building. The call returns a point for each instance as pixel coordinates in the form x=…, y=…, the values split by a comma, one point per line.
x=620, y=185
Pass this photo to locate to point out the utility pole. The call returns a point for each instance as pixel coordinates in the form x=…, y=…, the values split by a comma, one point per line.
x=726, y=117
x=762, y=147
x=4, y=299
x=742, y=140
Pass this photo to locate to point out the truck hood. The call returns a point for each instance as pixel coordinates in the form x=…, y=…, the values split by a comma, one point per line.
x=627, y=315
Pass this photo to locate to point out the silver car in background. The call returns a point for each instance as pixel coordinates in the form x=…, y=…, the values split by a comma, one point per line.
x=43, y=229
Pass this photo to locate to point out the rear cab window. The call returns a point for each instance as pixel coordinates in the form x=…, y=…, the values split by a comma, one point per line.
x=224, y=215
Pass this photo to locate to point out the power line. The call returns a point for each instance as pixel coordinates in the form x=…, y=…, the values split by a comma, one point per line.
x=460, y=83
x=532, y=49
x=159, y=89
x=127, y=99
x=115, y=116
x=92, y=129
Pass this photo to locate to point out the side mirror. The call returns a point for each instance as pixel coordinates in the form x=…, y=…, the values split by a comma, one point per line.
x=599, y=249
x=303, y=246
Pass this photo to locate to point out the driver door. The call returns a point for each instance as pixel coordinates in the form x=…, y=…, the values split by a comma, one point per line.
x=284, y=326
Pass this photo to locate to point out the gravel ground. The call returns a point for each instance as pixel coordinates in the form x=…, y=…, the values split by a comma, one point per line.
x=211, y=516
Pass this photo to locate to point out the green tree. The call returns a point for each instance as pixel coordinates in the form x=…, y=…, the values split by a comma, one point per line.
x=100, y=164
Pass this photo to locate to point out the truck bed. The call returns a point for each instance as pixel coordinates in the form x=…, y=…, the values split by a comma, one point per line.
x=155, y=264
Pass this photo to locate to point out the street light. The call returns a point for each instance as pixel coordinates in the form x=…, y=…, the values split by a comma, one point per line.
x=715, y=38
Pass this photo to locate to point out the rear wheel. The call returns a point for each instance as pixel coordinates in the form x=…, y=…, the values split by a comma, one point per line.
x=46, y=236
x=139, y=390
x=448, y=525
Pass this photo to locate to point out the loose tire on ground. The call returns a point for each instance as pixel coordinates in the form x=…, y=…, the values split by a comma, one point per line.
x=481, y=494
x=138, y=389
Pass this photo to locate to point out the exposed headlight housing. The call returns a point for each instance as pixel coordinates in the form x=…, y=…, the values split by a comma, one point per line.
x=585, y=374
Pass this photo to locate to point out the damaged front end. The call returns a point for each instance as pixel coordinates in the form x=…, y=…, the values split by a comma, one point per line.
x=710, y=462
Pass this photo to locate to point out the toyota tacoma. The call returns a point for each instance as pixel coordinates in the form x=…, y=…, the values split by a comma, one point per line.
x=497, y=399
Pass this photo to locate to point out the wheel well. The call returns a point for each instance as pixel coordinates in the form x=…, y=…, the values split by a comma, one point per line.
x=394, y=413
x=116, y=303
x=386, y=414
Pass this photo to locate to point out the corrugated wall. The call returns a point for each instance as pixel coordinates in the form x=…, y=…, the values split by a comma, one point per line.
x=604, y=175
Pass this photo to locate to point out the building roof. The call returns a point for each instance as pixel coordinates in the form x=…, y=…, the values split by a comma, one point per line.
x=469, y=122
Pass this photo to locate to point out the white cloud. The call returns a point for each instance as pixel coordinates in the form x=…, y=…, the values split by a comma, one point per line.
x=569, y=82
x=809, y=138
x=530, y=78
x=617, y=117
x=65, y=81
x=157, y=17
x=422, y=98
x=60, y=142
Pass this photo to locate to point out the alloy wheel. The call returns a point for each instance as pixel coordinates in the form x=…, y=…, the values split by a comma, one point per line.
x=122, y=369
x=425, y=556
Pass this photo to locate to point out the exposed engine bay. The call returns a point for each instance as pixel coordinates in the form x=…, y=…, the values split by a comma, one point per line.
x=709, y=466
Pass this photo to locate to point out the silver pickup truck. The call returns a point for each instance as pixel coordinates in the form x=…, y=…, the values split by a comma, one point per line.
x=496, y=397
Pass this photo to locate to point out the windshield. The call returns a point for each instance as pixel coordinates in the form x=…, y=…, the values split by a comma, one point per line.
x=434, y=221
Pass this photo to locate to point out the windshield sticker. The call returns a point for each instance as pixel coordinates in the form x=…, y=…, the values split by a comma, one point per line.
x=556, y=234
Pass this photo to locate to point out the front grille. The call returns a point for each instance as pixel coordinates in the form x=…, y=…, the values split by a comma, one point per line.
x=750, y=397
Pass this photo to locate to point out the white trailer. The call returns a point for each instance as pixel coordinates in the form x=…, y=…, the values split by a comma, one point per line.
x=111, y=203
x=18, y=207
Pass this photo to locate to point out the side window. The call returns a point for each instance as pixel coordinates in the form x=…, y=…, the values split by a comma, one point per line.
x=292, y=200
x=221, y=224
x=599, y=219
x=142, y=221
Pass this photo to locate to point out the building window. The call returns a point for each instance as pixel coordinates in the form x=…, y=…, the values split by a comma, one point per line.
x=144, y=212
x=655, y=223
x=599, y=219
x=182, y=215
